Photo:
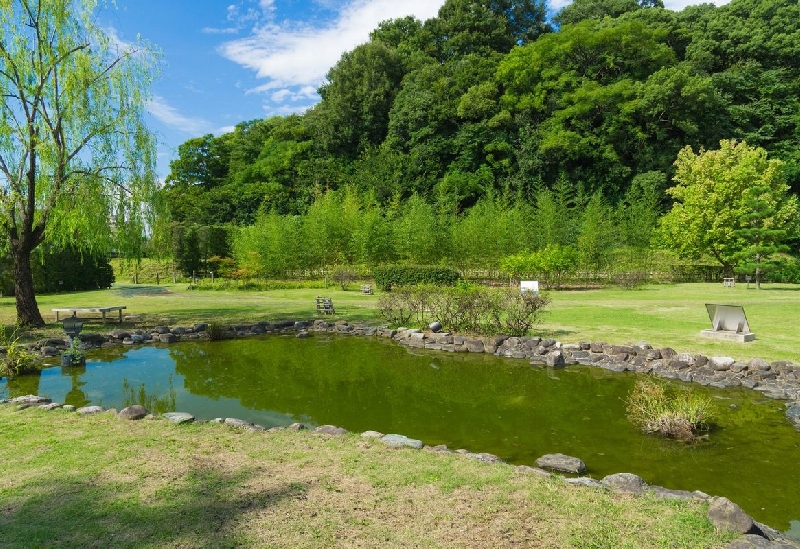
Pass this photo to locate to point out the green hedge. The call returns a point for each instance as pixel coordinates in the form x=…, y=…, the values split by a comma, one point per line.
x=395, y=276
x=69, y=270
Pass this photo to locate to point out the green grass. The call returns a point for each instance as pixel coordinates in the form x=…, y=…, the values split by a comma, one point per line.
x=662, y=315
x=674, y=315
x=72, y=481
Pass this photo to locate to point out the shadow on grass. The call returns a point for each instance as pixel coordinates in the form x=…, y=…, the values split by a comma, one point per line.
x=202, y=509
x=554, y=334
x=141, y=290
x=768, y=289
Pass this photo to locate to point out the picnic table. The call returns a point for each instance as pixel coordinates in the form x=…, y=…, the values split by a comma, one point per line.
x=73, y=311
x=325, y=306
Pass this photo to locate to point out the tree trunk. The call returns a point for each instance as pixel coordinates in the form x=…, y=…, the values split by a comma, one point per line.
x=27, y=309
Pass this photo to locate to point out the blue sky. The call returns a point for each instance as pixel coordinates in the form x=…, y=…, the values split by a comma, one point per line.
x=227, y=61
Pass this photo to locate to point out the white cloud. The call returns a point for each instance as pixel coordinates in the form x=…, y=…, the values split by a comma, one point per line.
x=225, y=30
x=271, y=109
x=294, y=53
x=294, y=94
x=169, y=116
x=224, y=129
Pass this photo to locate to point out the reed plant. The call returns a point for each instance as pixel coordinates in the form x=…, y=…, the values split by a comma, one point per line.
x=672, y=413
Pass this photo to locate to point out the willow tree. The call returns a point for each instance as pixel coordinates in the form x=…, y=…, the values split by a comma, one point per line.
x=76, y=159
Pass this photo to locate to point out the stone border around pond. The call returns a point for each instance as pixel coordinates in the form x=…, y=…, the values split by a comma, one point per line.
x=722, y=513
x=778, y=380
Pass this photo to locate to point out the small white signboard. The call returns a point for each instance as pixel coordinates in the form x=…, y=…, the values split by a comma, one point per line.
x=529, y=286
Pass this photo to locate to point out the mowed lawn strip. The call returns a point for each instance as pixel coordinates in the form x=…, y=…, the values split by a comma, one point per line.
x=663, y=315
x=98, y=481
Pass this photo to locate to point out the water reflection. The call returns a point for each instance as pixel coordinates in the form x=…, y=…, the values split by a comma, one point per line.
x=75, y=396
x=27, y=384
x=154, y=403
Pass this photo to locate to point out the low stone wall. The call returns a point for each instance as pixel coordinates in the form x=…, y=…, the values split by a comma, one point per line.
x=778, y=380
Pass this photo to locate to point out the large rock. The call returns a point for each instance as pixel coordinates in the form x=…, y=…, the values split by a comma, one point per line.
x=726, y=515
x=626, y=482
x=751, y=541
x=758, y=364
x=793, y=413
x=235, y=422
x=401, y=441
x=585, y=481
x=721, y=363
x=88, y=410
x=29, y=399
x=179, y=417
x=331, y=430
x=484, y=457
x=666, y=493
x=49, y=351
x=475, y=346
x=562, y=464
x=133, y=412
x=555, y=359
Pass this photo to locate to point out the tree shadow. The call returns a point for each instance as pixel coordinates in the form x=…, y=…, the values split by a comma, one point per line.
x=199, y=509
x=140, y=290
x=768, y=289
x=554, y=334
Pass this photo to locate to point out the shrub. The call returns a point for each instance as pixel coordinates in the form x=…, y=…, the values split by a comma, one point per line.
x=398, y=307
x=675, y=414
x=78, y=354
x=18, y=358
x=396, y=276
x=344, y=276
x=516, y=314
x=464, y=308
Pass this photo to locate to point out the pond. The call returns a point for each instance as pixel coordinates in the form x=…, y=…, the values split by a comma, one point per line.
x=478, y=402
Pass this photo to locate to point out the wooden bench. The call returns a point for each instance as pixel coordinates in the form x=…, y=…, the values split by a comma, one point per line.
x=325, y=306
x=728, y=282
x=366, y=289
x=92, y=310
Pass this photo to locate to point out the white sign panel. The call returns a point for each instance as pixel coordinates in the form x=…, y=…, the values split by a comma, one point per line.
x=529, y=286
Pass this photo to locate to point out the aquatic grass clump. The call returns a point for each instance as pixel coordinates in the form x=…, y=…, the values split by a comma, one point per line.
x=216, y=331
x=675, y=414
x=16, y=358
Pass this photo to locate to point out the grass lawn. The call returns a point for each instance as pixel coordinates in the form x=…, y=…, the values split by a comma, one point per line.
x=662, y=315
x=98, y=481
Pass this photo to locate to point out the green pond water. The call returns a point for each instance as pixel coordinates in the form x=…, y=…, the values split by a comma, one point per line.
x=478, y=402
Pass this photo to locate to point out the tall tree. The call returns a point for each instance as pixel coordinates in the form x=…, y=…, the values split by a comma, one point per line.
x=76, y=159
x=721, y=197
x=762, y=239
x=354, y=112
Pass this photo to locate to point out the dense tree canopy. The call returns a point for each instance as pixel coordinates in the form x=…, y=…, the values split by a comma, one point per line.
x=488, y=100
